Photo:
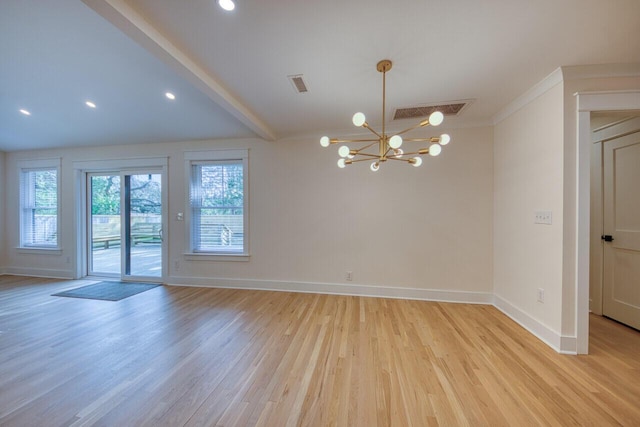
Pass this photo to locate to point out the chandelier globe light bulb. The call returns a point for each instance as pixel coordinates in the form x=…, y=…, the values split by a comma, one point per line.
x=395, y=141
x=375, y=166
x=324, y=141
x=341, y=163
x=436, y=118
x=343, y=151
x=417, y=161
x=444, y=139
x=434, y=150
x=359, y=119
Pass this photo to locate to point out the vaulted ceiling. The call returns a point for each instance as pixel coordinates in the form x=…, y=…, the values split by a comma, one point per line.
x=229, y=70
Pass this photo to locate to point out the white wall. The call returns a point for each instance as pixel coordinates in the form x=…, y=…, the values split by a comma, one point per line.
x=528, y=177
x=3, y=242
x=402, y=231
x=535, y=162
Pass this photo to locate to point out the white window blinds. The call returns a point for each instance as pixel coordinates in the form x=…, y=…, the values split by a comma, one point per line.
x=217, y=206
x=39, y=208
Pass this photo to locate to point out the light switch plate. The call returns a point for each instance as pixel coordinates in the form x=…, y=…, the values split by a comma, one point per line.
x=543, y=217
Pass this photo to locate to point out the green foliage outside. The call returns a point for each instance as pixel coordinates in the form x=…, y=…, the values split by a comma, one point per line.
x=222, y=189
x=145, y=194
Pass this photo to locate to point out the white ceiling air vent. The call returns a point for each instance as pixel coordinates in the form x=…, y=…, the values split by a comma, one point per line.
x=447, y=108
x=298, y=83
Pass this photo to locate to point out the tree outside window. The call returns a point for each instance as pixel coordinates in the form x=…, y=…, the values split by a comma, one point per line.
x=39, y=208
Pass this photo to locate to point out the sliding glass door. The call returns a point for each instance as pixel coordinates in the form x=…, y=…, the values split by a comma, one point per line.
x=104, y=225
x=125, y=235
x=143, y=225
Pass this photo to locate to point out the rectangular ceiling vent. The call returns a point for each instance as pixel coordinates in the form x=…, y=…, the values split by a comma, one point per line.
x=298, y=83
x=448, y=109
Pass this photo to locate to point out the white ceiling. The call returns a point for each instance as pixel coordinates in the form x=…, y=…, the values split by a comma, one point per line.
x=229, y=70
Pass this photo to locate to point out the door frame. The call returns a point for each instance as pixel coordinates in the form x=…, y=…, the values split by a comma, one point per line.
x=130, y=165
x=586, y=103
x=600, y=137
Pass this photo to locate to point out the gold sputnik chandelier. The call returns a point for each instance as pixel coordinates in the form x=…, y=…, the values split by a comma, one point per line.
x=384, y=147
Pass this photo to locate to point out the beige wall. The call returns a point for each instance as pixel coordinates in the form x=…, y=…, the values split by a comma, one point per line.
x=427, y=228
x=528, y=176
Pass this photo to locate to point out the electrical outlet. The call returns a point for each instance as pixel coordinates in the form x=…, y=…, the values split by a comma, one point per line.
x=541, y=295
x=176, y=265
x=543, y=217
x=349, y=276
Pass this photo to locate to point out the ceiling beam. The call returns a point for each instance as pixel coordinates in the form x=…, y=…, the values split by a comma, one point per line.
x=122, y=16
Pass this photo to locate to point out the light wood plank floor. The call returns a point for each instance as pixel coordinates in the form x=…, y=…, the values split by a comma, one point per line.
x=213, y=357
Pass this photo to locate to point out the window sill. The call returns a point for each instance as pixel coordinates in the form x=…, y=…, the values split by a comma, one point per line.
x=191, y=256
x=40, y=251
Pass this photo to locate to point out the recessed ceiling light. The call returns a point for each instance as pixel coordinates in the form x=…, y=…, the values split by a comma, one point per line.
x=228, y=5
x=90, y=104
x=170, y=96
x=25, y=112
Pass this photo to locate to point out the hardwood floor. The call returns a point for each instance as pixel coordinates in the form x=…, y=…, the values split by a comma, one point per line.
x=214, y=357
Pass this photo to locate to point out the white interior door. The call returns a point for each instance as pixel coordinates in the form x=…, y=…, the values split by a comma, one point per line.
x=621, y=270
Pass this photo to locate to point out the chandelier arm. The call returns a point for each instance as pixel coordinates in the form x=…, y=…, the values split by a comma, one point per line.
x=423, y=123
x=367, y=146
x=421, y=139
x=340, y=141
x=362, y=160
x=366, y=126
x=398, y=159
x=368, y=155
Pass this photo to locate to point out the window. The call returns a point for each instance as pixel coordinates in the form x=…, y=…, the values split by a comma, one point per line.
x=39, y=207
x=218, y=203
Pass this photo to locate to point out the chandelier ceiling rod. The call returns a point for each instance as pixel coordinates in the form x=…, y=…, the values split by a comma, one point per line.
x=388, y=147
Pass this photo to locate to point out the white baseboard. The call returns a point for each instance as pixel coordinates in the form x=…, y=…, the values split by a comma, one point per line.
x=561, y=344
x=48, y=273
x=568, y=345
x=336, y=289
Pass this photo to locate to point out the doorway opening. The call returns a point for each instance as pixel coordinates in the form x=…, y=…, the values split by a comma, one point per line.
x=125, y=225
x=615, y=212
x=586, y=103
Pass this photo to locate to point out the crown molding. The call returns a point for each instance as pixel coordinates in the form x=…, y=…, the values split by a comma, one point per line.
x=566, y=73
x=529, y=96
